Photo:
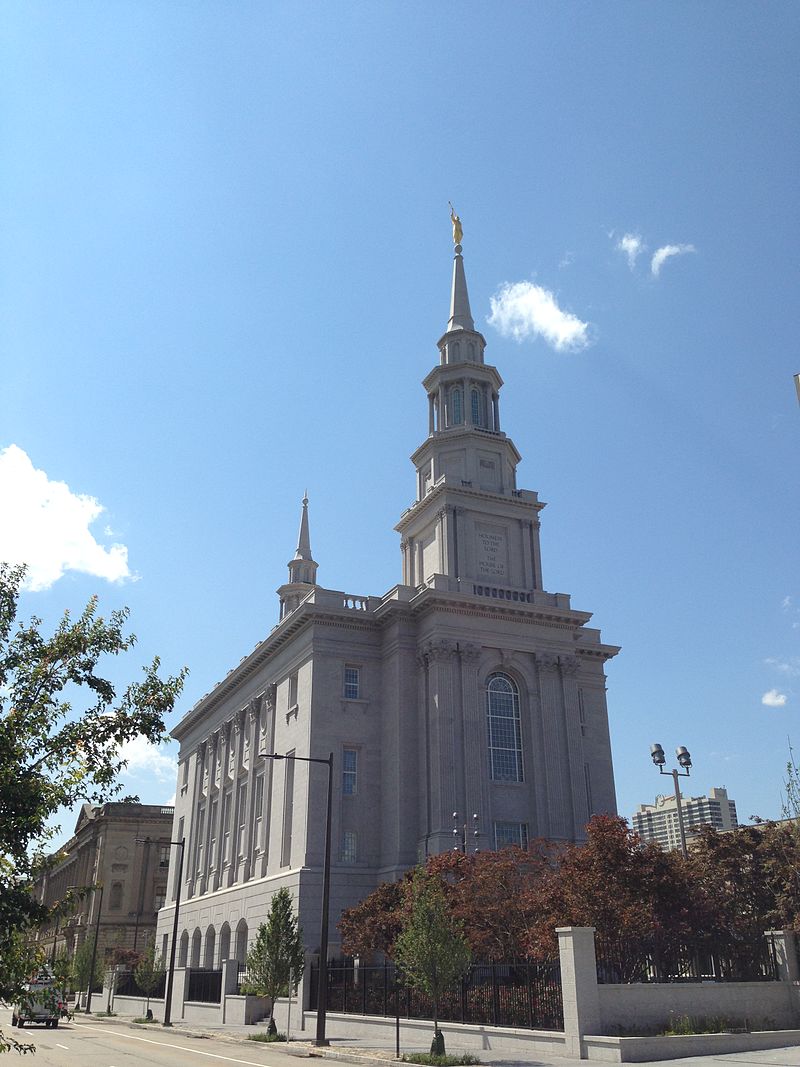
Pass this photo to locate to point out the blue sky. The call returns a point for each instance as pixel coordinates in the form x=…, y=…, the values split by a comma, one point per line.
x=225, y=264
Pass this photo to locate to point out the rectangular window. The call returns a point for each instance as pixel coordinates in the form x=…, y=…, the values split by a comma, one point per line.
x=160, y=897
x=352, y=679
x=288, y=810
x=587, y=775
x=163, y=856
x=212, y=829
x=184, y=774
x=510, y=833
x=258, y=806
x=226, y=826
x=292, y=690
x=349, y=772
x=201, y=829
x=349, y=846
x=581, y=711
x=242, y=805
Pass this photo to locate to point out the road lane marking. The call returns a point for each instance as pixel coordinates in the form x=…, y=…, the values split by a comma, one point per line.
x=62, y=1046
x=183, y=1048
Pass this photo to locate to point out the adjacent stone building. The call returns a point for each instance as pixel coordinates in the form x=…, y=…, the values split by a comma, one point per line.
x=467, y=688
x=659, y=822
x=125, y=848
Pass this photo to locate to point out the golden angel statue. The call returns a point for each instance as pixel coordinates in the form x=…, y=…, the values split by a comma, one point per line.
x=458, y=233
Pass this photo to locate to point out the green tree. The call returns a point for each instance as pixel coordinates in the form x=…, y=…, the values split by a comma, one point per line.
x=62, y=722
x=82, y=965
x=149, y=971
x=276, y=961
x=431, y=951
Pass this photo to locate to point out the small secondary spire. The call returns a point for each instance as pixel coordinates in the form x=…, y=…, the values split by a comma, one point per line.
x=304, y=538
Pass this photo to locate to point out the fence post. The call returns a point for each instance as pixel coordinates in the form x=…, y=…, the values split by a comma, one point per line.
x=180, y=982
x=578, y=985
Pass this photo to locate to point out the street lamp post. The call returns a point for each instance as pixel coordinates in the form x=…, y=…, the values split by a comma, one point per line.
x=171, y=974
x=685, y=760
x=94, y=952
x=322, y=989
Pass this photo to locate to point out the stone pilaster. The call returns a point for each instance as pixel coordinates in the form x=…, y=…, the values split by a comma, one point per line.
x=251, y=726
x=197, y=792
x=223, y=741
x=208, y=829
x=559, y=798
x=474, y=751
x=268, y=718
x=444, y=754
x=570, y=668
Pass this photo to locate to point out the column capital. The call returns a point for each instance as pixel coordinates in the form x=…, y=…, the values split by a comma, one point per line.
x=546, y=661
x=570, y=664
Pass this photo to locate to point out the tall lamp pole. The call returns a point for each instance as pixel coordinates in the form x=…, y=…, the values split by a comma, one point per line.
x=322, y=989
x=685, y=760
x=94, y=950
x=171, y=974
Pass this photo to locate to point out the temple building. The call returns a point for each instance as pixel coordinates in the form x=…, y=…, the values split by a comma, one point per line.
x=466, y=688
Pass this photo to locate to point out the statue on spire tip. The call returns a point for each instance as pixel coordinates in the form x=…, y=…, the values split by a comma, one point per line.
x=458, y=233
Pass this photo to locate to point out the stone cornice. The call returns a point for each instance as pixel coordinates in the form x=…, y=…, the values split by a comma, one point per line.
x=466, y=495
x=457, y=372
x=484, y=438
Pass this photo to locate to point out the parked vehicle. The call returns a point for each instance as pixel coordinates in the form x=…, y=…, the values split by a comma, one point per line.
x=42, y=1002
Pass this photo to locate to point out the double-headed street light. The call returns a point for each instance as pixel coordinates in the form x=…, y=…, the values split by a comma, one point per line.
x=460, y=834
x=685, y=760
x=322, y=990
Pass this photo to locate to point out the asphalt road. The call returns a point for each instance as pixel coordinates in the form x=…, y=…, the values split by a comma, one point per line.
x=91, y=1044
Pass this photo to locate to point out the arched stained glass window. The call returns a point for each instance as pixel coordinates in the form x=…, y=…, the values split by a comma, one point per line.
x=505, y=729
x=456, y=406
x=477, y=408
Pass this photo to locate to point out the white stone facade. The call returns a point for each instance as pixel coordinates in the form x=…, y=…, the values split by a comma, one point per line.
x=467, y=688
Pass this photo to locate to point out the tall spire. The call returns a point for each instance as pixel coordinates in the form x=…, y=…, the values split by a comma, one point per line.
x=460, y=314
x=304, y=538
x=302, y=568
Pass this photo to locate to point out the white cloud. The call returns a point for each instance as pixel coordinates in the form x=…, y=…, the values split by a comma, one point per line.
x=47, y=526
x=661, y=255
x=525, y=311
x=148, y=760
x=786, y=603
x=632, y=246
x=774, y=699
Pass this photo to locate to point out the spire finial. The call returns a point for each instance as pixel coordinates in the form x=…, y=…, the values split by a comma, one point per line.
x=458, y=232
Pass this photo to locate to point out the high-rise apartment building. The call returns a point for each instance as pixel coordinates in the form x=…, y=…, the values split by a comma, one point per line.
x=659, y=822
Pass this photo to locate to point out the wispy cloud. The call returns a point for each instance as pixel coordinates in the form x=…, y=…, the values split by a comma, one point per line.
x=525, y=311
x=789, y=667
x=786, y=603
x=661, y=255
x=773, y=699
x=47, y=526
x=632, y=246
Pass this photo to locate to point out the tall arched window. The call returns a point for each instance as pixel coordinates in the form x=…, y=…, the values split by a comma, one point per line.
x=505, y=730
x=477, y=408
x=456, y=406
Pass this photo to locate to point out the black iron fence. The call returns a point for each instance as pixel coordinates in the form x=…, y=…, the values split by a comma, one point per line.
x=623, y=962
x=127, y=986
x=526, y=995
x=204, y=986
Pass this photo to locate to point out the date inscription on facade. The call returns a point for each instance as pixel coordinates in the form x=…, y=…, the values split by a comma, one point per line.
x=492, y=553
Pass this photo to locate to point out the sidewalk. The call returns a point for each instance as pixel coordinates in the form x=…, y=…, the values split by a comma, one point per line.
x=355, y=1051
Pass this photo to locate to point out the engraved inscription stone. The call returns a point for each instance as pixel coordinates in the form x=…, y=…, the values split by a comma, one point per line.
x=492, y=553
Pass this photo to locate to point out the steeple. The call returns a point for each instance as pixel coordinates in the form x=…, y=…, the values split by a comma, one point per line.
x=302, y=568
x=470, y=528
x=460, y=314
x=303, y=538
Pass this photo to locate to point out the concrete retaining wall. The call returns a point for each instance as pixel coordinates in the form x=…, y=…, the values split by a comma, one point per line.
x=765, y=1005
